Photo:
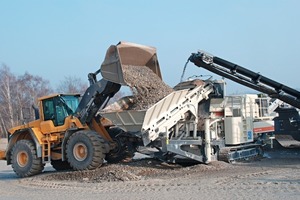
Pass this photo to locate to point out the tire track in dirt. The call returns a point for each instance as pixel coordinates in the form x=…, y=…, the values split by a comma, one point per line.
x=265, y=179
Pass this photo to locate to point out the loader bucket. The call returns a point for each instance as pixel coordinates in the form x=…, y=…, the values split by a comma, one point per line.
x=128, y=54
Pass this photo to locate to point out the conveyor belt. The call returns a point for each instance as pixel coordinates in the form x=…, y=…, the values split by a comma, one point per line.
x=246, y=77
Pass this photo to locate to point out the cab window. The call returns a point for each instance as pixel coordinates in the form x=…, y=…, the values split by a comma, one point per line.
x=48, y=107
x=59, y=107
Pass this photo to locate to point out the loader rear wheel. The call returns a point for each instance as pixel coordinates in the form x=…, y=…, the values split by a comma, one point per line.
x=120, y=152
x=24, y=159
x=85, y=150
x=60, y=165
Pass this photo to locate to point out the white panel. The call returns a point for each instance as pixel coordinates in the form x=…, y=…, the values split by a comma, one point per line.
x=234, y=130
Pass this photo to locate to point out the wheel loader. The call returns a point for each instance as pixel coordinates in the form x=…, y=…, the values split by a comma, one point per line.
x=69, y=134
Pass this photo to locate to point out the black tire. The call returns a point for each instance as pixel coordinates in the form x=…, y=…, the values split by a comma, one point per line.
x=120, y=152
x=24, y=159
x=60, y=165
x=85, y=150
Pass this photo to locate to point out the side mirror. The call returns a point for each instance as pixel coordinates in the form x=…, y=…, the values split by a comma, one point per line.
x=36, y=112
x=26, y=115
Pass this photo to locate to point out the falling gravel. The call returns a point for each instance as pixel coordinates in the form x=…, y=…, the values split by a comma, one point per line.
x=146, y=86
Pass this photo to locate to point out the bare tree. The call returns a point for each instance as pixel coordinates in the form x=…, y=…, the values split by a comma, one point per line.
x=32, y=88
x=17, y=94
x=7, y=92
x=72, y=85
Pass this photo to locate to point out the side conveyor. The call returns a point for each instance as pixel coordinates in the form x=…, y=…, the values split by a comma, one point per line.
x=246, y=77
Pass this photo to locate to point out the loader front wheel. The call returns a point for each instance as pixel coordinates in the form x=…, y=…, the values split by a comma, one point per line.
x=85, y=150
x=24, y=159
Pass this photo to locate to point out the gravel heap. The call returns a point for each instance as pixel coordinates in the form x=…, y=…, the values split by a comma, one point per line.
x=146, y=86
x=133, y=171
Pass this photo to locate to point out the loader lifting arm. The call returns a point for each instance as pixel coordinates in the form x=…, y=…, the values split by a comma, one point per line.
x=246, y=77
x=95, y=97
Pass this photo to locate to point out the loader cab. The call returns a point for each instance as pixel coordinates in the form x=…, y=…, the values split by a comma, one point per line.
x=58, y=107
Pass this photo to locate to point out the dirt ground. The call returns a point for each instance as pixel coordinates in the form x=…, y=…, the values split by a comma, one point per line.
x=276, y=176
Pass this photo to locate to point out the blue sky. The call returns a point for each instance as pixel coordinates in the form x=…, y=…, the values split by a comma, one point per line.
x=55, y=39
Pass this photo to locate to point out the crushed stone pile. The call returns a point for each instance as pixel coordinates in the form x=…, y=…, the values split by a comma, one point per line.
x=146, y=86
x=135, y=170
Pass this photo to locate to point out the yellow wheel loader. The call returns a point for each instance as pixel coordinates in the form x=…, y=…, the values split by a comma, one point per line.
x=68, y=132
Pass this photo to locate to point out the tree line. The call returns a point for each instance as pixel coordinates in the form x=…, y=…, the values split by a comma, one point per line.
x=19, y=93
